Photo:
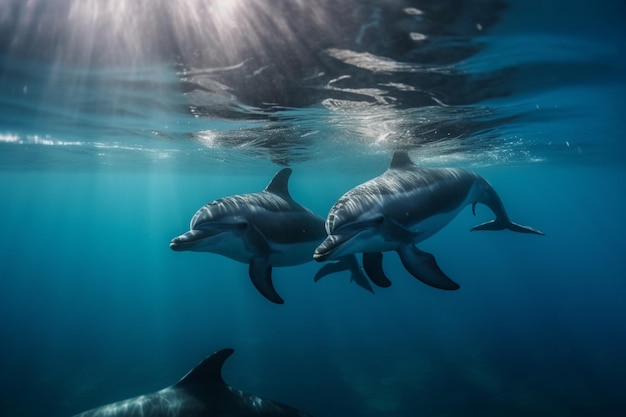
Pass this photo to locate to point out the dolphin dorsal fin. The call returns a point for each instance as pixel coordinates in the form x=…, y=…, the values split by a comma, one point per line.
x=207, y=372
x=279, y=185
x=400, y=160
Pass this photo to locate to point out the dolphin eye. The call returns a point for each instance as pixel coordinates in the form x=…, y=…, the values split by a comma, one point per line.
x=379, y=220
x=242, y=225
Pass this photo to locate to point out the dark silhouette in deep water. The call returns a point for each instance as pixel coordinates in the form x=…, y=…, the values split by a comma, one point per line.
x=264, y=230
x=200, y=393
x=404, y=206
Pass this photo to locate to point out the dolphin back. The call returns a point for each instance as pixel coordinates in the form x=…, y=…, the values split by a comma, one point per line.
x=279, y=184
x=207, y=372
x=202, y=392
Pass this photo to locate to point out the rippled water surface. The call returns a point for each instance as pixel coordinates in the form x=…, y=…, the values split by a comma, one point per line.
x=118, y=120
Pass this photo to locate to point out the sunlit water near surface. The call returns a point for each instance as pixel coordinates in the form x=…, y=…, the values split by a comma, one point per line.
x=119, y=121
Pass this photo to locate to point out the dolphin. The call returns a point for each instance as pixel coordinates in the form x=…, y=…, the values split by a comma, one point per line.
x=404, y=206
x=200, y=393
x=264, y=230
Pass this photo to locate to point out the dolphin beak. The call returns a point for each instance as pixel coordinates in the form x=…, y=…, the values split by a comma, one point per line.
x=188, y=240
x=328, y=247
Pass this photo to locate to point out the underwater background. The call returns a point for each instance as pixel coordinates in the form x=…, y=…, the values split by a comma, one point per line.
x=118, y=120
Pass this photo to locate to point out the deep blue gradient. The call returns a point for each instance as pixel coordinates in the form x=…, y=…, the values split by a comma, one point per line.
x=102, y=166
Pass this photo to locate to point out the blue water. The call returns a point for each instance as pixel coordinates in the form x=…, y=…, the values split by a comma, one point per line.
x=116, y=126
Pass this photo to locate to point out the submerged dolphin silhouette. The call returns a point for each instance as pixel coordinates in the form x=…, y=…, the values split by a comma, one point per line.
x=404, y=206
x=200, y=393
x=263, y=229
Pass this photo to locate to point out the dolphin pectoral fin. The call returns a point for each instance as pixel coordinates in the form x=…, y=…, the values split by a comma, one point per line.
x=346, y=263
x=328, y=269
x=373, y=265
x=261, y=275
x=422, y=265
x=357, y=274
x=361, y=280
x=501, y=225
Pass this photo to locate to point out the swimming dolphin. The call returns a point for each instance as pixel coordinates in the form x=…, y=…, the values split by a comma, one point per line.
x=200, y=393
x=263, y=229
x=406, y=205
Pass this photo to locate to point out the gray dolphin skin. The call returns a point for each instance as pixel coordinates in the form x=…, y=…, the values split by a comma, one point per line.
x=200, y=393
x=404, y=206
x=264, y=230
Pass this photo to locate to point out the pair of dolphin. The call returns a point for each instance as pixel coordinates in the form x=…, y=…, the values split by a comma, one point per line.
x=200, y=393
x=392, y=212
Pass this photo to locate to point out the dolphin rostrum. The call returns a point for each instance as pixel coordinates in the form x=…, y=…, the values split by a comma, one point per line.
x=264, y=230
x=406, y=205
x=200, y=393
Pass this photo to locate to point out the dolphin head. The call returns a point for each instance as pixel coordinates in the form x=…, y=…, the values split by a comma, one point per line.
x=354, y=237
x=371, y=217
x=212, y=229
x=355, y=224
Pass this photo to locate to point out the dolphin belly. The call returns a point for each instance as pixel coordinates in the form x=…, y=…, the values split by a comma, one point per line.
x=430, y=225
x=290, y=254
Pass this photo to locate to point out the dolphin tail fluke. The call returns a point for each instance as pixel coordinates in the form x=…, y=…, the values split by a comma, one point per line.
x=261, y=274
x=346, y=263
x=373, y=265
x=501, y=225
x=422, y=265
x=491, y=199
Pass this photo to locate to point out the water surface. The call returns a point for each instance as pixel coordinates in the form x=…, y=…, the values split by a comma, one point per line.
x=116, y=125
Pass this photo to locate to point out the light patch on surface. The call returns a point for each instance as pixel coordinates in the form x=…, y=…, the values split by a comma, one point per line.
x=9, y=138
x=413, y=11
x=371, y=62
x=37, y=140
x=416, y=36
x=207, y=138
